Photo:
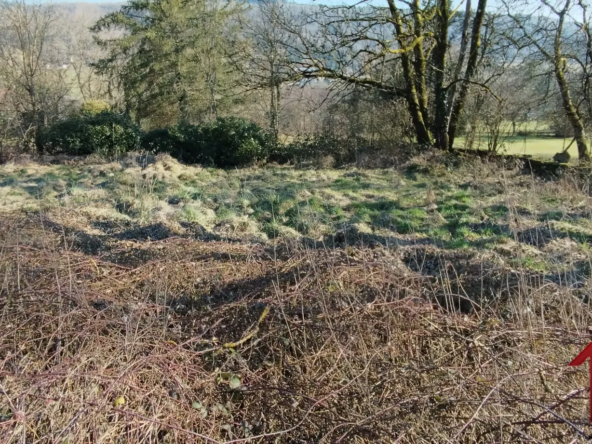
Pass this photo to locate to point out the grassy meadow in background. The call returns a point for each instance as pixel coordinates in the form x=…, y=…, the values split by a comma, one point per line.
x=543, y=148
x=532, y=138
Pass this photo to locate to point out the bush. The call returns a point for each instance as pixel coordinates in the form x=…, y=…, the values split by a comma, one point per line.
x=161, y=140
x=188, y=146
x=106, y=133
x=183, y=142
x=318, y=148
x=225, y=142
x=230, y=141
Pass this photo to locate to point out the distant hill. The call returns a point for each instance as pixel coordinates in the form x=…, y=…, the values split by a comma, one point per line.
x=87, y=10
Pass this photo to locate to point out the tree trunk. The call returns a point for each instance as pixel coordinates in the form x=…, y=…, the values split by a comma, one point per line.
x=183, y=116
x=274, y=110
x=469, y=73
x=422, y=133
x=464, y=43
x=572, y=114
x=441, y=112
x=570, y=110
x=419, y=61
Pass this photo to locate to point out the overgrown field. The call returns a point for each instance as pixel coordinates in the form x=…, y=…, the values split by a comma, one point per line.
x=148, y=301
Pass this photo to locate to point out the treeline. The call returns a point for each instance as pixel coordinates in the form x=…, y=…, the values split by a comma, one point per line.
x=231, y=83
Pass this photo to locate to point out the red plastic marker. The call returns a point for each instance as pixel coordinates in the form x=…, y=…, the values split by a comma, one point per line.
x=579, y=360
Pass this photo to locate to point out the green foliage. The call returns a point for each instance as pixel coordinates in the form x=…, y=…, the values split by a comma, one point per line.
x=496, y=211
x=531, y=263
x=232, y=141
x=187, y=143
x=225, y=142
x=234, y=382
x=552, y=215
x=162, y=140
x=305, y=215
x=106, y=133
x=231, y=379
x=203, y=410
x=170, y=57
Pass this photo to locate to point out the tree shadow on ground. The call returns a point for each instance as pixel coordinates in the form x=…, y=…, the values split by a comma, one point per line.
x=106, y=248
x=574, y=277
x=472, y=278
x=542, y=235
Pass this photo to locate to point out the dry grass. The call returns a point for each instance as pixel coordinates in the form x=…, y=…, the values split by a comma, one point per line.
x=352, y=350
x=342, y=341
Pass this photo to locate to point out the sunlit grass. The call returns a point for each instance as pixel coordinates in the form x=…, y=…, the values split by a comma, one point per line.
x=424, y=200
x=537, y=147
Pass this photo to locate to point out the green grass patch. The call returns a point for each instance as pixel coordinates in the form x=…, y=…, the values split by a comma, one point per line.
x=530, y=263
x=496, y=211
x=355, y=184
x=552, y=215
x=537, y=147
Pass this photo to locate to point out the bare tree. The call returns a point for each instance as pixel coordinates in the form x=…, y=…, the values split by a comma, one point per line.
x=32, y=68
x=264, y=61
x=547, y=34
x=471, y=69
x=82, y=52
x=403, y=52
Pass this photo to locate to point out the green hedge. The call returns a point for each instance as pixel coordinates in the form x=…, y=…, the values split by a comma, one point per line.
x=343, y=150
x=232, y=141
x=225, y=142
x=105, y=133
x=161, y=140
